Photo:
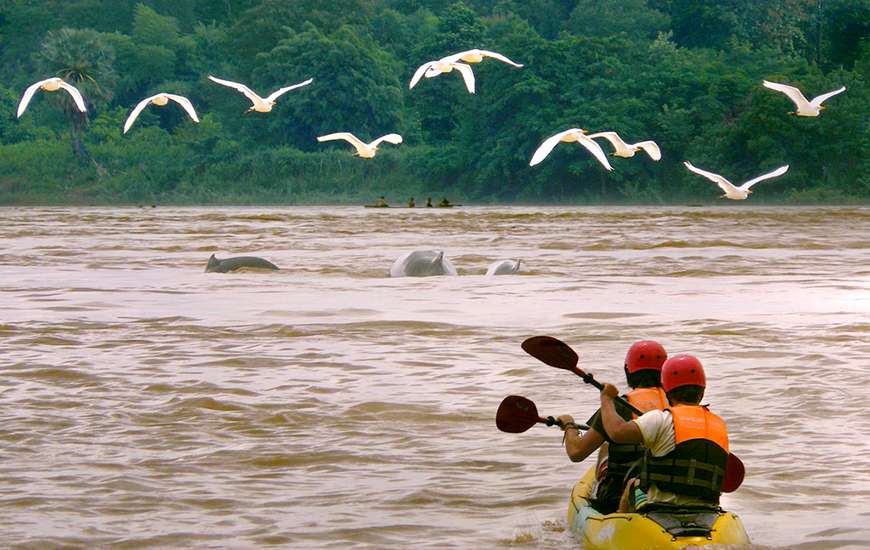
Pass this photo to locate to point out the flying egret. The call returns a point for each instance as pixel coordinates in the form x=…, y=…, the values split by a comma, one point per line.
x=568, y=136
x=435, y=68
x=476, y=56
x=732, y=192
x=51, y=85
x=261, y=104
x=363, y=150
x=804, y=107
x=627, y=150
x=160, y=100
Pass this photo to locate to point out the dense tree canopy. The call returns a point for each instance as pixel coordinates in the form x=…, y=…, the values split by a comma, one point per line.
x=685, y=73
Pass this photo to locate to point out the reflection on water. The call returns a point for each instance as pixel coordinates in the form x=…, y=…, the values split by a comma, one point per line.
x=147, y=403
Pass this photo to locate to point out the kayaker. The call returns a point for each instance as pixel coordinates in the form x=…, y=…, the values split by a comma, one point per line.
x=381, y=202
x=686, y=444
x=411, y=203
x=642, y=367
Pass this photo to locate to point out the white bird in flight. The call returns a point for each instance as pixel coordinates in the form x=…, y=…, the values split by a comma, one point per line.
x=455, y=61
x=627, y=150
x=160, y=100
x=804, y=106
x=261, y=104
x=568, y=136
x=434, y=68
x=51, y=85
x=732, y=192
x=364, y=150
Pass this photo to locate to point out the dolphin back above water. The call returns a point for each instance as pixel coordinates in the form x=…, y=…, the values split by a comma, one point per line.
x=503, y=267
x=216, y=265
x=422, y=263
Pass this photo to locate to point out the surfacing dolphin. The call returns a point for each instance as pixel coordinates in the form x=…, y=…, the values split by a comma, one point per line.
x=422, y=263
x=216, y=265
x=503, y=267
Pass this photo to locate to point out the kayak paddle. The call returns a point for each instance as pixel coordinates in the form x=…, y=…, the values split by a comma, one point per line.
x=517, y=414
x=557, y=353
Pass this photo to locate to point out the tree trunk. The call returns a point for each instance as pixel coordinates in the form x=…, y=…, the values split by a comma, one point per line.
x=78, y=122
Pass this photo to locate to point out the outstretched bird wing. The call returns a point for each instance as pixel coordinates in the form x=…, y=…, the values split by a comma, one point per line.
x=651, y=148
x=76, y=95
x=500, y=57
x=249, y=93
x=547, y=146
x=184, y=102
x=596, y=150
x=793, y=93
x=395, y=139
x=817, y=101
x=278, y=93
x=28, y=95
x=135, y=112
x=467, y=75
x=347, y=136
x=724, y=184
x=778, y=172
x=419, y=73
x=613, y=138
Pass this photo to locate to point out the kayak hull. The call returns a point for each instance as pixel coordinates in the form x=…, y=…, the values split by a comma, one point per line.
x=637, y=531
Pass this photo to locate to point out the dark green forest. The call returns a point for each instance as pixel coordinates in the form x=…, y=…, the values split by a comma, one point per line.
x=685, y=73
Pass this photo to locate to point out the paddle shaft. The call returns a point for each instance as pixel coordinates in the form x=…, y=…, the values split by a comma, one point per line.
x=550, y=421
x=589, y=379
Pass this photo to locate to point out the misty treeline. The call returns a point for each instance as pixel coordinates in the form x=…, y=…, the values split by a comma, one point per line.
x=685, y=73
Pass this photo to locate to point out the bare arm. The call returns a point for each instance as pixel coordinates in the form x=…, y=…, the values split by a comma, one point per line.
x=618, y=429
x=579, y=447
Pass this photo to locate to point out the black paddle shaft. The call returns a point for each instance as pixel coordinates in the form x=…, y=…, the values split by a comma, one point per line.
x=589, y=379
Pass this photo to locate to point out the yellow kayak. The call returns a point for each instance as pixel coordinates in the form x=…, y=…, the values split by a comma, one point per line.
x=654, y=530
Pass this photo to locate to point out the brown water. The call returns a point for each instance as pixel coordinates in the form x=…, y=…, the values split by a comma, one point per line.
x=149, y=404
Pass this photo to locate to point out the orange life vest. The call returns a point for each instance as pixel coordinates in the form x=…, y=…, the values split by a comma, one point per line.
x=696, y=466
x=648, y=399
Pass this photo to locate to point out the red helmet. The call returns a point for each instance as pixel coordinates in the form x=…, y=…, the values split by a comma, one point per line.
x=683, y=370
x=645, y=355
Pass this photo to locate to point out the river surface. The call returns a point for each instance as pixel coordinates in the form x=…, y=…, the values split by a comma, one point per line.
x=147, y=404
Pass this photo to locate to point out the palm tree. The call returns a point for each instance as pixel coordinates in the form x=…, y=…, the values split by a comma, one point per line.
x=83, y=58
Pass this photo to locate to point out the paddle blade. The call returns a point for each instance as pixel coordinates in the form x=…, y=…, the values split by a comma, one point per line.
x=551, y=351
x=516, y=414
x=735, y=471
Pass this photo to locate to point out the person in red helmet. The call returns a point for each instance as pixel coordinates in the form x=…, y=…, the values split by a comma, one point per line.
x=686, y=444
x=643, y=365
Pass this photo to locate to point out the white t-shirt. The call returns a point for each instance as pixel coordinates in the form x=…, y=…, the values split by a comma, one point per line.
x=657, y=428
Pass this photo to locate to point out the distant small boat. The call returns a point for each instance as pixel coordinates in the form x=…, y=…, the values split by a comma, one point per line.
x=379, y=206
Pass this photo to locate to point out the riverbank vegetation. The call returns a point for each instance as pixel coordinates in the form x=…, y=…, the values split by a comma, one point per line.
x=685, y=73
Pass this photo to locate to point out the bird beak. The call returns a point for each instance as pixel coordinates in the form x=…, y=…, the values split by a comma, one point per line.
x=822, y=107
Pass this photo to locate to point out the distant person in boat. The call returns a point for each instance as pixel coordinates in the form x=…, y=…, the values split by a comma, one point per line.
x=381, y=202
x=686, y=444
x=642, y=367
x=428, y=202
x=444, y=203
x=411, y=203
